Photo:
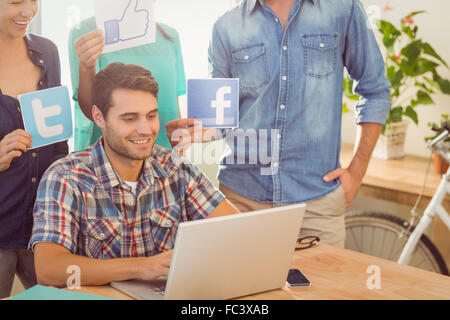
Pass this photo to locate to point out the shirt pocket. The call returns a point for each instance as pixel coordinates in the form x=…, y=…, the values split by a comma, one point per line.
x=320, y=54
x=250, y=66
x=164, y=224
x=104, y=238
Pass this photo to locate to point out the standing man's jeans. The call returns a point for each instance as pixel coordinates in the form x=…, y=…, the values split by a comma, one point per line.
x=324, y=217
x=14, y=261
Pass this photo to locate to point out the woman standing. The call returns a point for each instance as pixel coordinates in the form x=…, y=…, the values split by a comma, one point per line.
x=27, y=63
x=163, y=58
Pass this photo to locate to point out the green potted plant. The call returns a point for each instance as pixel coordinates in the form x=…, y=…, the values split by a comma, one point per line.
x=412, y=69
x=440, y=165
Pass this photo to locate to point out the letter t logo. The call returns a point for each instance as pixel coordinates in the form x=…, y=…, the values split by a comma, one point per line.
x=41, y=113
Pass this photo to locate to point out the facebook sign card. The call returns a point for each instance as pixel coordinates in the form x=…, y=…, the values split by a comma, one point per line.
x=47, y=115
x=214, y=102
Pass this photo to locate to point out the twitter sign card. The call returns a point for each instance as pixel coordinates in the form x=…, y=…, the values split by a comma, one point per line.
x=214, y=102
x=47, y=115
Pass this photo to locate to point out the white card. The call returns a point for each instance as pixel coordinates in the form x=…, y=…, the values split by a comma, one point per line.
x=125, y=23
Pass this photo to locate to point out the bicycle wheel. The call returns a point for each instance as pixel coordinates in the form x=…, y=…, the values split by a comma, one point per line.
x=378, y=234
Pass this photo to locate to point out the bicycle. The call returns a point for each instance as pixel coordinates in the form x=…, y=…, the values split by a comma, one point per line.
x=387, y=236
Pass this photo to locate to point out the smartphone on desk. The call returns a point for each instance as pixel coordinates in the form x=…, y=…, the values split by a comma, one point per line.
x=297, y=279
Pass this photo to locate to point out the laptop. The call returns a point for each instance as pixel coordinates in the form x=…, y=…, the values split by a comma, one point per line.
x=226, y=257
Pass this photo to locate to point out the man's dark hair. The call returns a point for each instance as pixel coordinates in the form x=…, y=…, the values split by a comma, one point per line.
x=120, y=76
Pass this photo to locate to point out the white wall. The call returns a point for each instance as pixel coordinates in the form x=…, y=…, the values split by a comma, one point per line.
x=193, y=20
x=434, y=28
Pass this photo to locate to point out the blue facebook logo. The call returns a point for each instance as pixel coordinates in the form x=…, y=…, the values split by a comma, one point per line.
x=214, y=102
x=47, y=115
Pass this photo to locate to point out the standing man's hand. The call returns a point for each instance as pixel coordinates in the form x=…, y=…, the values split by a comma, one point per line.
x=13, y=145
x=89, y=47
x=350, y=181
x=366, y=137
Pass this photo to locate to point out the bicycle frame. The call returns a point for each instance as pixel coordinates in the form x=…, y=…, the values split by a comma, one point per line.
x=433, y=208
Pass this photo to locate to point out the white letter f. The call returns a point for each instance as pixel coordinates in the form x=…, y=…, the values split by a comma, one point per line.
x=220, y=104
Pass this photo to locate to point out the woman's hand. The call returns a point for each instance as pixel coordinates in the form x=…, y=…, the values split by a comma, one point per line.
x=89, y=47
x=12, y=146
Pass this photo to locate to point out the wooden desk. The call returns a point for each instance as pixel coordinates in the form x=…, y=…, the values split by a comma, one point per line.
x=400, y=181
x=337, y=273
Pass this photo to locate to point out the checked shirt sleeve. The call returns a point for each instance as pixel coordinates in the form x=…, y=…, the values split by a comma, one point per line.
x=201, y=196
x=55, y=213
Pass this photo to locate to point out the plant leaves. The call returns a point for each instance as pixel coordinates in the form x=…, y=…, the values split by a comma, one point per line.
x=388, y=28
x=444, y=84
x=414, y=13
x=345, y=108
x=428, y=49
x=394, y=76
x=423, y=86
x=348, y=90
x=395, y=114
x=390, y=34
x=412, y=114
x=412, y=51
x=424, y=98
x=423, y=66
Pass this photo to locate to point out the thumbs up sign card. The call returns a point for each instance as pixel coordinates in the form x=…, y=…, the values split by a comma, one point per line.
x=125, y=23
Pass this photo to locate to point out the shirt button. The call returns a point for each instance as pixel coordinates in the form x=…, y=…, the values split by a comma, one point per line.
x=284, y=78
x=34, y=155
x=41, y=61
x=169, y=223
x=322, y=45
x=282, y=107
x=275, y=165
x=33, y=180
x=278, y=136
x=102, y=236
x=284, y=48
x=246, y=57
x=276, y=20
x=131, y=202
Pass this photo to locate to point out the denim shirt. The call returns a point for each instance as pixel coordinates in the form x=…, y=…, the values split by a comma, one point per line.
x=18, y=184
x=290, y=83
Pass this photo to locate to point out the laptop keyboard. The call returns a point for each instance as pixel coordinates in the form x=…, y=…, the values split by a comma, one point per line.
x=159, y=286
x=160, y=290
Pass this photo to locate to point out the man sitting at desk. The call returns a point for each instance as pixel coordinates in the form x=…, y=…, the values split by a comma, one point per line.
x=114, y=208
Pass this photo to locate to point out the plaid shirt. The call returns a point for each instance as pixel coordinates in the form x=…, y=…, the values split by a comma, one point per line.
x=83, y=205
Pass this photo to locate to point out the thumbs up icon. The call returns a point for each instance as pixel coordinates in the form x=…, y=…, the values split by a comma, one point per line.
x=124, y=29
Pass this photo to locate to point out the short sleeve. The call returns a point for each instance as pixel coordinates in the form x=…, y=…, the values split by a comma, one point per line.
x=73, y=61
x=55, y=213
x=76, y=32
x=181, y=77
x=201, y=197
